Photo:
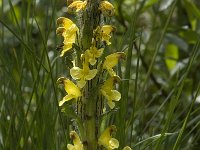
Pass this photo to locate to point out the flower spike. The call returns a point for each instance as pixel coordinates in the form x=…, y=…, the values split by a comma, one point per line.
x=72, y=90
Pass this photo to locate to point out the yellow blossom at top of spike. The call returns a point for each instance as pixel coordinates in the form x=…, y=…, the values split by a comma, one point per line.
x=76, y=141
x=103, y=33
x=107, y=90
x=106, y=139
x=127, y=148
x=68, y=30
x=77, y=6
x=82, y=74
x=93, y=53
x=72, y=90
x=111, y=61
x=106, y=8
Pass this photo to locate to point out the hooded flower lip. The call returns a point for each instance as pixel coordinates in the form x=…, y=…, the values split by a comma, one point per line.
x=103, y=33
x=77, y=6
x=106, y=139
x=76, y=141
x=107, y=8
x=107, y=90
x=111, y=61
x=82, y=74
x=68, y=30
x=94, y=53
x=72, y=90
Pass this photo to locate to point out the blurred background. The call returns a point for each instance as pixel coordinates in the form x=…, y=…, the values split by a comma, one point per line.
x=159, y=108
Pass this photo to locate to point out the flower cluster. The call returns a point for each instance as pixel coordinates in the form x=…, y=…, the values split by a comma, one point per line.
x=82, y=73
x=91, y=64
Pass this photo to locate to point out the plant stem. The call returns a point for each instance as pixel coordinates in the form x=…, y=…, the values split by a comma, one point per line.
x=89, y=20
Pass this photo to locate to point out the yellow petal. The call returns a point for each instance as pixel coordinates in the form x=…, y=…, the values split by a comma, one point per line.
x=66, y=98
x=106, y=137
x=111, y=104
x=81, y=83
x=93, y=53
x=92, y=61
x=66, y=48
x=77, y=6
x=65, y=22
x=70, y=147
x=70, y=87
x=106, y=8
x=68, y=30
x=113, y=143
x=127, y=148
x=108, y=84
x=99, y=52
x=60, y=30
x=76, y=141
x=76, y=73
x=107, y=29
x=112, y=59
x=92, y=73
x=115, y=95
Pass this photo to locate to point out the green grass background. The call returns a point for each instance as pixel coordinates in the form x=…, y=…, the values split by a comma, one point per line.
x=159, y=109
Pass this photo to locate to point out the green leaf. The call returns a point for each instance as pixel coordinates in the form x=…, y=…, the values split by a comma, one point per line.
x=192, y=11
x=171, y=55
x=189, y=35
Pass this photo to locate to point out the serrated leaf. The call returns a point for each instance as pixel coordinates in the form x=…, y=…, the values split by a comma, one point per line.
x=171, y=55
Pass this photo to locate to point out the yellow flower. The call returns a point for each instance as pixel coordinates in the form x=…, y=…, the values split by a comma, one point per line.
x=72, y=90
x=107, y=8
x=111, y=61
x=76, y=141
x=106, y=139
x=77, y=6
x=94, y=53
x=108, y=91
x=127, y=148
x=83, y=74
x=103, y=33
x=68, y=30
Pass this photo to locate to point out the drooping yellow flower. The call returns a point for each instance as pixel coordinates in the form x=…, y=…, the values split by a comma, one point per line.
x=127, y=148
x=103, y=33
x=68, y=30
x=107, y=90
x=72, y=90
x=106, y=8
x=94, y=53
x=106, y=139
x=76, y=141
x=82, y=74
x=77, y=6
x=111, y=61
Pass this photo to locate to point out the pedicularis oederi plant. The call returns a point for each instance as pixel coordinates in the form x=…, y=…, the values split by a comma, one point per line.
x=92, y=85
